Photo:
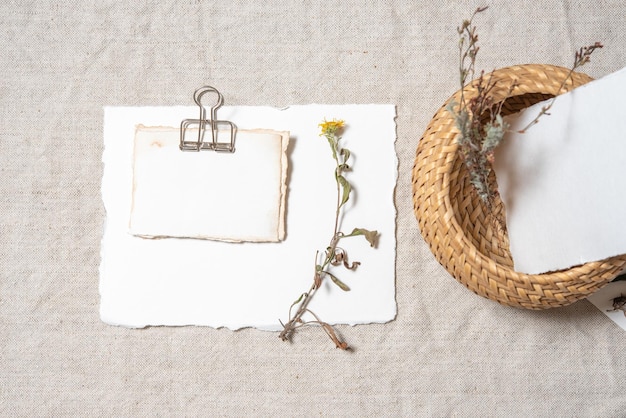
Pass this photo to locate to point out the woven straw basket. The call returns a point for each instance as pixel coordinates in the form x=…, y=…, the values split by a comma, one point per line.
x=459, y=229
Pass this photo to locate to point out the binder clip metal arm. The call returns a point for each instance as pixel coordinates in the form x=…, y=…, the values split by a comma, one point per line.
x=211, y=123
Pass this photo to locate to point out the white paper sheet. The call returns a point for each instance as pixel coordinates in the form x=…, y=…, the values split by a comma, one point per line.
x=563, y=181
x=197, y=282
x=209, y=195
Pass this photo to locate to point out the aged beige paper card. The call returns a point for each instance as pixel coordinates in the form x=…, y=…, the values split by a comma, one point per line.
x=221, y=196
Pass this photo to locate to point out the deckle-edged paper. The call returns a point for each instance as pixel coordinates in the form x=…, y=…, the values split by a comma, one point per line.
x=223, y=284
x=223, y=196
x=563, y=181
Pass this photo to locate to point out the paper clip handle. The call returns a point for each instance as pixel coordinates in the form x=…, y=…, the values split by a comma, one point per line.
x=211, y=122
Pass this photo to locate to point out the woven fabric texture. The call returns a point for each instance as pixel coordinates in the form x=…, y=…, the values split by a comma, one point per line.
x=448, y=353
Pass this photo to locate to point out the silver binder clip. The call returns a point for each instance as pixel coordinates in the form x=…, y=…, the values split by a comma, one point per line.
x=203, y=124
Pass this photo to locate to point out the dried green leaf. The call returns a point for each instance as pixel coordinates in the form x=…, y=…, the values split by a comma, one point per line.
x=345, y=153
x=338, y=282
x=298, y=300
x=346, y=189
x=332, y=141
x=370, y=236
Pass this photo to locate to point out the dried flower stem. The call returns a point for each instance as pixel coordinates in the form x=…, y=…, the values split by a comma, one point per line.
x=582, y=56
x=479, y=120
x=334, y=255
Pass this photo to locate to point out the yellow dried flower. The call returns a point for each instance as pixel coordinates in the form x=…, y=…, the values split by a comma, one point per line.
x=331, y=127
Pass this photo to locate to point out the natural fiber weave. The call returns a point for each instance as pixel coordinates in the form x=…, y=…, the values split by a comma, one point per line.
x=462, y=233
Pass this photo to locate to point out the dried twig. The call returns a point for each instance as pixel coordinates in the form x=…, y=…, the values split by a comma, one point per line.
x=479, y=120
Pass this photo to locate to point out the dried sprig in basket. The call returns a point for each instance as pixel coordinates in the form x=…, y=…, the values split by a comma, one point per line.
x=458, y=225
x=464, y=223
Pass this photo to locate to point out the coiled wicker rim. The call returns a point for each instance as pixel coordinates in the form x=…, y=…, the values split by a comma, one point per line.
x=461, y=232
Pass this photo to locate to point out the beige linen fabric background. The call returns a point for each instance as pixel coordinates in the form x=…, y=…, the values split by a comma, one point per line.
x=448, y=353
